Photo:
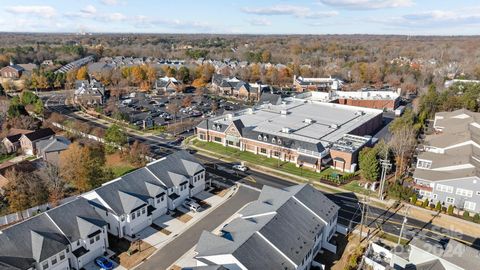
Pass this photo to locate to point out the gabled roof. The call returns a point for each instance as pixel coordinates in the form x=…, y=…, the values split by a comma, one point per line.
x=36, y=238
x=76, y=219
x=39, y=134
x=53, y=144
x=281, y=222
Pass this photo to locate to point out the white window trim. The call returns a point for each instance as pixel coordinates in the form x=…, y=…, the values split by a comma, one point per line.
x=452, y=200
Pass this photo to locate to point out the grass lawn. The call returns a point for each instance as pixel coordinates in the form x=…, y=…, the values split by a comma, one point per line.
x=7, y=157
x=273, y=163
x=121, y=170
x=117, y=165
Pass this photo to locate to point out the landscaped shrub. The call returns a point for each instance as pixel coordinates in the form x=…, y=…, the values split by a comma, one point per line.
x=438, y=206
x=444, y=209
x=414, y=199
x=432, y=206
x=425, y=203
x=450, y=209
x=466, y=214
x=476, y=218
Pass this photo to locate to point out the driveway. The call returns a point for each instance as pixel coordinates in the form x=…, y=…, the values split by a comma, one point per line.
x=185, y=241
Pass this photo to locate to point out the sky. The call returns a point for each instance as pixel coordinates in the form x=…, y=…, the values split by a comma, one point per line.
x=404, y=17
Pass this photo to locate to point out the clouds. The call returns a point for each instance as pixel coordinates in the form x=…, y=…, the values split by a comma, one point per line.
x=296, y=11
x=368, y=4
x=259, y=22
x=40, y=11
x=110, y=2
x=89, y=10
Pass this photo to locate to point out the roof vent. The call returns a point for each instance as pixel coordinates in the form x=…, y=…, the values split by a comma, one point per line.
x=360, y=113
x=335, y=126
x=283, y=112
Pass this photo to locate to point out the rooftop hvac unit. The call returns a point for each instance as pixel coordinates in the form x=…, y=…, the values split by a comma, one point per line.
x=283, y=112
x=360, y=113
x=286, y=130
x=334, y=126
x=229, y=116
x=249, y=111
x=308, y=121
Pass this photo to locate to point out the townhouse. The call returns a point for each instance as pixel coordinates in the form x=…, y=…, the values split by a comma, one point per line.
x=66, y=237
x=283, y=229
x=132, y=202
x=447, y=170
x=297, y=130
x=422, y=254
x=167, y=85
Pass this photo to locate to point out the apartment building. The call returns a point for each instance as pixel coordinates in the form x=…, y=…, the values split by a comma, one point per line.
x=66, y=237
x=447, y=171
x=298, y=131
x=283, y=229
x=132, y=202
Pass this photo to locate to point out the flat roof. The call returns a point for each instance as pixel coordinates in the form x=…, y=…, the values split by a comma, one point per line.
x=308, y=121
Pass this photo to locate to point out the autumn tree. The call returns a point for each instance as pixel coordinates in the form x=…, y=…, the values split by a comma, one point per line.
x=24, y=190
x=82, y=73
x=137, y=153
x=55, y=184
x=187, y=101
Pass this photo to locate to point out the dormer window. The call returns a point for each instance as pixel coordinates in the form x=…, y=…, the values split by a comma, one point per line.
x=279, y=141
x=273, y=140
x=424, y=164
x=259, y=137
x=265, y=138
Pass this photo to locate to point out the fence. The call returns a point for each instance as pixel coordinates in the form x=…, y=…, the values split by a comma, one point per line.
x=15, y=217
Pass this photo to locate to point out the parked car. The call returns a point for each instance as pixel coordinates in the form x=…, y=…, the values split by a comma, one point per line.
x=191, y=205
x=240, y=167
x=104, y=263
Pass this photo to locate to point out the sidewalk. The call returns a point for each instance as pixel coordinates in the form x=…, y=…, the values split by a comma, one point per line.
x=293, y=178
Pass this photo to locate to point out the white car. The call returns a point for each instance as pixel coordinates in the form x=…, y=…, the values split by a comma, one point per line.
x=191, y=205
x=240, y=167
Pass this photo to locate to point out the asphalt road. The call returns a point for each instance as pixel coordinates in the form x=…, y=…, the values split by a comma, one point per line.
x=389, y=221
x=171, y=252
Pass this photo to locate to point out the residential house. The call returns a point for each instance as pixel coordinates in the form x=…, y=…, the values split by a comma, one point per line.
x=131, y=203
x=28, y=141
x=167, y=85
x=50, y=149
x=12, y=71
x=233, y=87
x=447, y=171
x=301, y=84
x=89, y=92
x=283, y=229
x=66, y=237
x=12, y=140
x=422, y=254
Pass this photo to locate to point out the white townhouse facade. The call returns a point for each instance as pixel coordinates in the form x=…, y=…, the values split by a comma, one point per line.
x=448, y=170
x=66, y=237
x=283, y=229
x=132, y=202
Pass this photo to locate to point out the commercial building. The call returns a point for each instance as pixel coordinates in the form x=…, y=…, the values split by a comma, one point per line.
x=447, y=170
x=301, y=84
x=283, y=229
x=384, y=99
x=298, y=131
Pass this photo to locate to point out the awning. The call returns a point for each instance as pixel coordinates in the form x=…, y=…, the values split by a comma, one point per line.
x=307, y=159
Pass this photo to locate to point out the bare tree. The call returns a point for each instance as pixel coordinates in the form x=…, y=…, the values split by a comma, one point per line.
x=55, y=184
x=402, y=143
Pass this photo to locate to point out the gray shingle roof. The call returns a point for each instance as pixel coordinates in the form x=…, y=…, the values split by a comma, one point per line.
x=53, y=144
x=76, y=219
x=280, y=216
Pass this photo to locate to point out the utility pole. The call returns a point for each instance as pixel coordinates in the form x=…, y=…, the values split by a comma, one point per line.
x=386, y=165
x=364, y=216
x=403, y=225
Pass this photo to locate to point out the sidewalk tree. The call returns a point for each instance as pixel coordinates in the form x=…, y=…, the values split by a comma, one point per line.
x=114, y=137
